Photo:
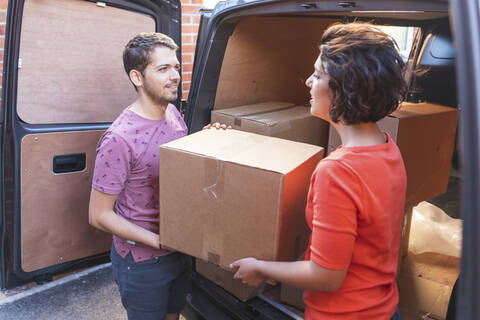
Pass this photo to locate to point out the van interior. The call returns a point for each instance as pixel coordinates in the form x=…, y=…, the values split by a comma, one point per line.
x=269, y=58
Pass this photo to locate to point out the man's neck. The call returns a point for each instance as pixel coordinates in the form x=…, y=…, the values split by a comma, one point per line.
x=148, y=109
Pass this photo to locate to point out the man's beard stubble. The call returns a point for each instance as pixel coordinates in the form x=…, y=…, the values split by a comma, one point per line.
x=160, y=99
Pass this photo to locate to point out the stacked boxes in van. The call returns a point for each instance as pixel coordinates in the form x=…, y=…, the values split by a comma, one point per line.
x=275, y=119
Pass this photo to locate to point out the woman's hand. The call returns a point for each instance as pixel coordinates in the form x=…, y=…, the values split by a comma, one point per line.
x=248, y=271
x=217, y=126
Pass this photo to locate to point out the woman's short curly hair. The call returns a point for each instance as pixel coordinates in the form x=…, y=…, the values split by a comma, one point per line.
x=365, y=70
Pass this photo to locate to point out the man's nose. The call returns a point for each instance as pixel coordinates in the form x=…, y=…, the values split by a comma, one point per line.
x=175, y=75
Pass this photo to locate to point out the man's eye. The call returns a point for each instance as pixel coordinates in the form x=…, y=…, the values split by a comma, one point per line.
x=177, y=68
x=163, y=69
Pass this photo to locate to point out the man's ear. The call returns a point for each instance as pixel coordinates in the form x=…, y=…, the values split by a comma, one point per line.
x=136, y=77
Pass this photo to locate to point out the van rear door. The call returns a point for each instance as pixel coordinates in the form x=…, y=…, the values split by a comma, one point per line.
x=63, y=85
x=466, y=20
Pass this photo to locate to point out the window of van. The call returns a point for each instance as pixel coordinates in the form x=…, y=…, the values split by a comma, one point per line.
x=403, y=36
x=70, y=68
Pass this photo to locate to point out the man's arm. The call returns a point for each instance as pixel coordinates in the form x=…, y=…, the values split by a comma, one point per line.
x=102, y=216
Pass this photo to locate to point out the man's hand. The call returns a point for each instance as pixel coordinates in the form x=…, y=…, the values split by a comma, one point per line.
x=248, y=271
x=217, y=126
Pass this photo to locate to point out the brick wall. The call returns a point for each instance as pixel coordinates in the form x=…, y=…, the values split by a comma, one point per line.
x=3, y=18
x=190, y=20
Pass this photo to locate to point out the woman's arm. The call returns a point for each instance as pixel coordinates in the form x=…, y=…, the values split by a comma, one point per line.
x=301, y=274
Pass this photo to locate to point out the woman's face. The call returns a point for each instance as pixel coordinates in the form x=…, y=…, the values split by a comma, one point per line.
x=320, y=98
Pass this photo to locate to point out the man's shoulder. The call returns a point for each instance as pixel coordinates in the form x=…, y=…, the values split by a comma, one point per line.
x=118, y=130
x=175, y=120
x=123, y=125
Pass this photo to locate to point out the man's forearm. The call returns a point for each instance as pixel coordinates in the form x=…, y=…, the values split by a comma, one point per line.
x=110, y=222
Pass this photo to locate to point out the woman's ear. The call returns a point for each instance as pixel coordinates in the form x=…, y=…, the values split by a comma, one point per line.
x=136, y=77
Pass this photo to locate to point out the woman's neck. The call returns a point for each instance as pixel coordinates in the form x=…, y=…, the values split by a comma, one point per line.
x=360, y=135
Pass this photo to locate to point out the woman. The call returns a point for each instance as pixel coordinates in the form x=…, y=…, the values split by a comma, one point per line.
x=356, y=198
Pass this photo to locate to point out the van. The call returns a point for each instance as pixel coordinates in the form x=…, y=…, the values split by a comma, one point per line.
x=63, y=84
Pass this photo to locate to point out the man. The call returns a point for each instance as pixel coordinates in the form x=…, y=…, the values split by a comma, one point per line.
x=125, y=198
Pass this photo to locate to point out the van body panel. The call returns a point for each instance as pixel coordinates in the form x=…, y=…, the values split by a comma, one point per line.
x=466, y=18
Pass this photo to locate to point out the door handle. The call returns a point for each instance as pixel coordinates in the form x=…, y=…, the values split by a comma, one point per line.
x=69, y=163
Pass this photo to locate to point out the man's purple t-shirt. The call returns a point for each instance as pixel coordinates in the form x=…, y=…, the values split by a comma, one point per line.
x=127, y=165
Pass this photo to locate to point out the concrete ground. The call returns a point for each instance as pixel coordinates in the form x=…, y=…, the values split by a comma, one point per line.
x=90, y=294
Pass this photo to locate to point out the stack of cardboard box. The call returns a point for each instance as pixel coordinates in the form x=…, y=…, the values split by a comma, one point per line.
x=276, y=119
x=229, y=194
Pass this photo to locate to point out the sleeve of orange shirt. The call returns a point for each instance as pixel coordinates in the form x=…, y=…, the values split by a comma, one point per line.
x=334, y=227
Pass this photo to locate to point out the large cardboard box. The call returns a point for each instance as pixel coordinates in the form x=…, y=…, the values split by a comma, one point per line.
x=425, y=285
x=425, y=135
x=225, y=279
x=276, y=119
x=228, y=194
x=292, y=296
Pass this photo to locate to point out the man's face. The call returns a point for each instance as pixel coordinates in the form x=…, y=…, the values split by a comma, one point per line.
x=161, y=77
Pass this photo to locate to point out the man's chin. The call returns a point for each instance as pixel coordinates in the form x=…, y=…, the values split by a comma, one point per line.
x=173, y=98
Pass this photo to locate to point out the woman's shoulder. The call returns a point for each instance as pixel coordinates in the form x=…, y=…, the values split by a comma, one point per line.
x=334, y=168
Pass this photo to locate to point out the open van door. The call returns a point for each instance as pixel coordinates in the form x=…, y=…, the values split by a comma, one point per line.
x=63, y=84
x=466, y=22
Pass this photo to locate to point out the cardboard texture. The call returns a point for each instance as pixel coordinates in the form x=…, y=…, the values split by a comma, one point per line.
x=292, y=296
x=246, y=195
x=276, y=119
x=425, y=134
x=425, y=284
x=225, y=279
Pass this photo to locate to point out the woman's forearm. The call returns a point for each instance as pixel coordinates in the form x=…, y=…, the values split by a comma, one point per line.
x=303, y=274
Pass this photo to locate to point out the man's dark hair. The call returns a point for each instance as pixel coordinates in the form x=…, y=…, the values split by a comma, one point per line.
x=365, y=70
x=136, y=55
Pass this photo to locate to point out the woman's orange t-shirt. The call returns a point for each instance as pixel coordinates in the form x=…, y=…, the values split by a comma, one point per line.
x=355, y=211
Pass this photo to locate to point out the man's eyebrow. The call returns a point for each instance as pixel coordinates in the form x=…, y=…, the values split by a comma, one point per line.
x=167, y=65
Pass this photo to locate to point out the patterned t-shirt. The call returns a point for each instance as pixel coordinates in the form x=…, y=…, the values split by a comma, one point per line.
x=127, y=165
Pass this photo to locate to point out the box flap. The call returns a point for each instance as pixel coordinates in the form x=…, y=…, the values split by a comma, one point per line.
x=247, y=149
x=254, y=108
x=279, y=116
x=408, y=109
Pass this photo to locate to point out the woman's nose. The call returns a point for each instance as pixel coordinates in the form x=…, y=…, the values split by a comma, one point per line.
x=308, y=83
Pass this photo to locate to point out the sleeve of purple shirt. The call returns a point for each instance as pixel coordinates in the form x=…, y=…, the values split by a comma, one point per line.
x=112, y=165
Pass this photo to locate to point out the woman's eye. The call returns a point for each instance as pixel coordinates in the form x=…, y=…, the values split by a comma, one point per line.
x=316, y=76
